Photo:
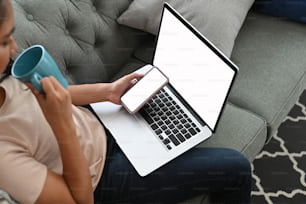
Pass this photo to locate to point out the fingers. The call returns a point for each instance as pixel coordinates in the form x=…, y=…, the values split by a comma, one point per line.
x=134, y=76
x=137, y=75
x=47, y=83
x=134, y=81
x=49, y=86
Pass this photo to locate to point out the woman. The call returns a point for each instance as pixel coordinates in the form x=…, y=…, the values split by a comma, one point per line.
x=53, y=150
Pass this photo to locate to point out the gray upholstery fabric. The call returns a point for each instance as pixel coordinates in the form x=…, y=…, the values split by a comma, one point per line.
x=234, y=130
x=82, y=35
x=271, y=55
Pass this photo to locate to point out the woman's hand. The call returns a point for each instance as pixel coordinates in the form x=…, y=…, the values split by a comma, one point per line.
x=55, y=102
x=83, y=94
x=119, y=87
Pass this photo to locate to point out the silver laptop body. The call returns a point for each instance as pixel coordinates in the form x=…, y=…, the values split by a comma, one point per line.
x=200, y=78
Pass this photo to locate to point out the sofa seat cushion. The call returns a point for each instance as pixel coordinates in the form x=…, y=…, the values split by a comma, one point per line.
x=83, y=36
x=271, y=55
x=239, y=129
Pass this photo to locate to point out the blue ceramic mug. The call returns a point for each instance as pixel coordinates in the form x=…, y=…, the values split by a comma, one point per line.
x=35, y=63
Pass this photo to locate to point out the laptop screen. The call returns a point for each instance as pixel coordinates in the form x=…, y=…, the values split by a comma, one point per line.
x=196, y=69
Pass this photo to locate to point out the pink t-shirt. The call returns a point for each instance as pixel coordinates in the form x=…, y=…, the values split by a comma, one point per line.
x=28, y=146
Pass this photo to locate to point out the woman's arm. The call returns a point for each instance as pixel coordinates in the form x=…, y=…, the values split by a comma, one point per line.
x=74, y=186
x=91, y=93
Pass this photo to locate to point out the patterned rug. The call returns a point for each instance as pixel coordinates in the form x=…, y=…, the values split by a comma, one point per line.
x=279, y=170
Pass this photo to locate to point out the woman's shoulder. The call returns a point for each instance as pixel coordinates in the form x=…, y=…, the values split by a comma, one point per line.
x=13, y=86
x=15, y=93
x=11, y=83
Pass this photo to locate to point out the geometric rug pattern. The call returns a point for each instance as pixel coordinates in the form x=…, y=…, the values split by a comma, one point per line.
x=279, y=169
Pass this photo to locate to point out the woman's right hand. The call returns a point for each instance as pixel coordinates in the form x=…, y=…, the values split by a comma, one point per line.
x=55, y=102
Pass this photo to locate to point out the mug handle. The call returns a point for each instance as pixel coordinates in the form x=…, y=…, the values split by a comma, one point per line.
x=35, y=80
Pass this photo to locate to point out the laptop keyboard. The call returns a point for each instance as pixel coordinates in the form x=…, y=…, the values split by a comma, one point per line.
x=168, y=120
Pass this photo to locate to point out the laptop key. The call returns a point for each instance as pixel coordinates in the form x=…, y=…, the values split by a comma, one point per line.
x=166, y=141
x=146, y=116
x=156, y=118
x=176, y=122
x=180, y=126
x=172, y=117
x=160, y=123
x=174, y=140
x=168, y=103
x=175, y=131
x=187, y=125
x=187, y=135
x=180, y=137
x=163, y=117
x=158, y=131
x=179, y=116
x=154, y=126
x=164, y=127
x=183, y=121
x=192, y=131
x=167, y=121
x=184, y=131
x=171, y=126
x=168, y=132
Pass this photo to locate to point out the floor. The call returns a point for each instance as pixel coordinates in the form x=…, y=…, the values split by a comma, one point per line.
x=279, y=170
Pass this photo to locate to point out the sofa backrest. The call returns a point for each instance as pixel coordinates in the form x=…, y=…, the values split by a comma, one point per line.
x=82, y=35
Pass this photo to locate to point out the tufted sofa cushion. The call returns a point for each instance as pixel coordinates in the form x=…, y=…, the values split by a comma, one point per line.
x=82, y=35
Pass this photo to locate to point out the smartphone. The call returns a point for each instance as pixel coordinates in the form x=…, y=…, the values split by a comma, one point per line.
x=144, y=90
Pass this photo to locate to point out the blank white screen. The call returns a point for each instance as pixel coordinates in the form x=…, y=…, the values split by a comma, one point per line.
x=193, y=69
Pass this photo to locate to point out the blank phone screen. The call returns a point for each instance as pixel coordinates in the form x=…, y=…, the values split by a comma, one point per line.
x=143, y=90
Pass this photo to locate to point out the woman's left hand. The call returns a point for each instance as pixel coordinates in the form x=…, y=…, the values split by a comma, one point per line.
x=120, y=86
x=54, y=101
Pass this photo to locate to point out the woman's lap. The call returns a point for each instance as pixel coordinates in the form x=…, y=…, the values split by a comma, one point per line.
x=223, y=173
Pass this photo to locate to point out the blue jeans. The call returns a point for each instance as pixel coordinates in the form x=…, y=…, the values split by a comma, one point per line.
x=223, y=173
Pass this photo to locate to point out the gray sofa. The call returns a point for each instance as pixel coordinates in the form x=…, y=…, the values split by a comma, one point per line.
x=90, y=46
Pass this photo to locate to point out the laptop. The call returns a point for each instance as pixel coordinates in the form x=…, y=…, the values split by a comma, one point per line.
x=186, y=111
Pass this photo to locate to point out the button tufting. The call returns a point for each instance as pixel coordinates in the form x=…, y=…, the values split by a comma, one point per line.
x=66, y=32
x=30, y=17
x=98, y=43
x=94, y=9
